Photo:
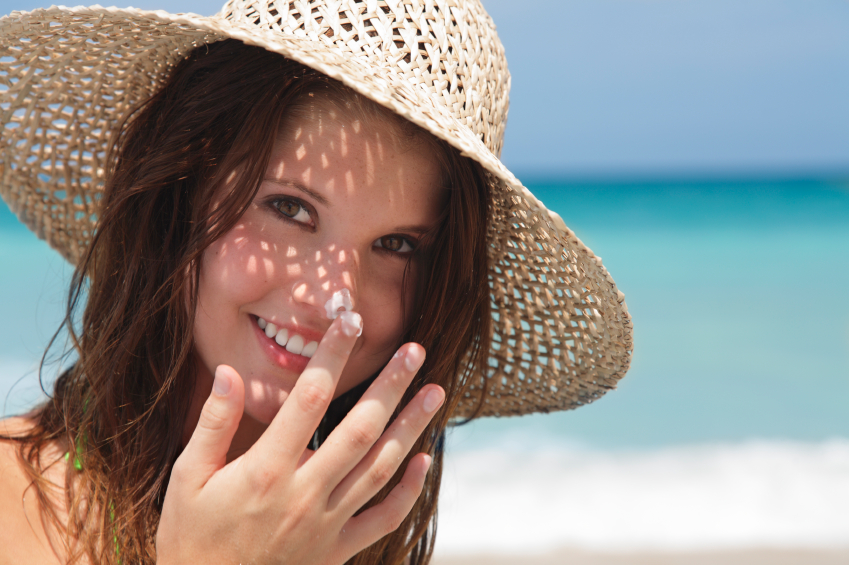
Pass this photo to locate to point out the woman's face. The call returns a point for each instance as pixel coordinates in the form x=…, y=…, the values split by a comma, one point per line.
x=341, y=207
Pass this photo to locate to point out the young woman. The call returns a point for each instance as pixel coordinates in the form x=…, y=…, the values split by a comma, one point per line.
x=286, y=284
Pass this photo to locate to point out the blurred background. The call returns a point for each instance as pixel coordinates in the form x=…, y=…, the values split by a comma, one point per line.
x=701, y=147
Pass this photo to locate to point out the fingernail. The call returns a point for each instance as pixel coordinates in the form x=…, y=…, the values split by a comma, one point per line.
x=352, y=323
x=428, y=461
x=414, y=358
x=221, y=385
x=432, y=400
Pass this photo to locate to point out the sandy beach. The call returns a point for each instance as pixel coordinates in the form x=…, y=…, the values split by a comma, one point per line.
x=741, y=557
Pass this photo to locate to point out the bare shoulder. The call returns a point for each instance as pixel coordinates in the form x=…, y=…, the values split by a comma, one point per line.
x=22, y=535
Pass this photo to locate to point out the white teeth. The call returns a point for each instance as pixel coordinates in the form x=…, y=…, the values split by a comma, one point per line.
x=282, y=337
x=270, y=330
x=309, y=349
x=295, y=345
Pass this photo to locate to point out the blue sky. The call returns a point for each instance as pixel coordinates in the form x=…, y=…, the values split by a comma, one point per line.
x=668, y=86
x=665, y=87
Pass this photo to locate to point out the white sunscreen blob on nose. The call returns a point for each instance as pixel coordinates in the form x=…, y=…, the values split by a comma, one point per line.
x=339, y=302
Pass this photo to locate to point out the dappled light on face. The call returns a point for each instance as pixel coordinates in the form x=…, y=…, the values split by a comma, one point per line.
x=257, y=262
x=265, y=394
x=369, y=165
x=328, y=272
x=343, y=139
x=334, y=152
x=276, y=169
x=378, y=144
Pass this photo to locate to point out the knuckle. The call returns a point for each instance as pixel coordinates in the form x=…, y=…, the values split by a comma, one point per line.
x=213, y=417
x=399, y=502
x=303, y=511
x=398, y=384
x=380, y=475
x=261, y=479
x=393, y=519
x=362, y=436
x=313, y=398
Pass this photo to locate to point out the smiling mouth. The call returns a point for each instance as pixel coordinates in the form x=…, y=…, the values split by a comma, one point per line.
x=292, y=342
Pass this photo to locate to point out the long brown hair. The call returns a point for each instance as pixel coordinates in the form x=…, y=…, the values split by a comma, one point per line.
x=120, y=410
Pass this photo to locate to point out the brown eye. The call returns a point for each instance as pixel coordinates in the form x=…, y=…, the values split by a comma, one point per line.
x=289, y=208
x=294, y=210
x=391, y=242
x=394, y=243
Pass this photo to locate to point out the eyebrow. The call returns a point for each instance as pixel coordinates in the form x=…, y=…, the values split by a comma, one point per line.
x=303, y=188
x=419, y=230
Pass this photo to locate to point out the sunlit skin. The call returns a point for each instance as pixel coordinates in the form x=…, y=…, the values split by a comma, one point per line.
x=342, y=205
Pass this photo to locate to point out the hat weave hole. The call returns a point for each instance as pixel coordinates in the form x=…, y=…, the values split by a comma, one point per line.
x=445, y=47
x=550, y=338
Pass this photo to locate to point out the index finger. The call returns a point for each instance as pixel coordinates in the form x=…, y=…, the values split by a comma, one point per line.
x=292, y=428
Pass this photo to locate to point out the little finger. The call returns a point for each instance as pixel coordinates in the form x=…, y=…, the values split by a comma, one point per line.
x=382, y=519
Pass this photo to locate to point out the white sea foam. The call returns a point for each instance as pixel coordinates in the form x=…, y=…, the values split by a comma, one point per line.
x=757, y=494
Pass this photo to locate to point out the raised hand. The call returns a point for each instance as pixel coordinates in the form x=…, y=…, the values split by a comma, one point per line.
x=281, y=503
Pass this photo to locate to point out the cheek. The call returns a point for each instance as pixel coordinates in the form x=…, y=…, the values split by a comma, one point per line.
x=236, y=269
x=383, y=308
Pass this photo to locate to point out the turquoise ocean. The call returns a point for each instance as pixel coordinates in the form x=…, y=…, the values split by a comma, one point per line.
x=731, y=428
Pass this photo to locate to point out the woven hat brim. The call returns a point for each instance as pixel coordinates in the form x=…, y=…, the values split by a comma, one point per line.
x=562, y=335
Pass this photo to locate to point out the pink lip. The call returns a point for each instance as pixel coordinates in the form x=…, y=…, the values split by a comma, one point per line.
x=278, y=355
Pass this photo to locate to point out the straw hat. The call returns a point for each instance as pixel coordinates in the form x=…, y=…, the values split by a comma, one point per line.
x=561, y=330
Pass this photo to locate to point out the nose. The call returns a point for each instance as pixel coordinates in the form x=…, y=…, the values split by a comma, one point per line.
x=330, y=278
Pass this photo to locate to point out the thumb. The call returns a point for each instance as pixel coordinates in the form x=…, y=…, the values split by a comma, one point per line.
x=206, y=451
